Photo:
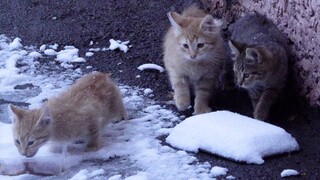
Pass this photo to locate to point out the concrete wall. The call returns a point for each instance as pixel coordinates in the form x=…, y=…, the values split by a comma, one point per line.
x=299, y=20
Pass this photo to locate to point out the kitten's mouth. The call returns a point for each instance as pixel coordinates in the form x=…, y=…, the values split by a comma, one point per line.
x=192, y=59
x=244, y=86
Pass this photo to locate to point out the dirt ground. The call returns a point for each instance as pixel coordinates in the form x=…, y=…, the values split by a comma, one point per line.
x=77, y=22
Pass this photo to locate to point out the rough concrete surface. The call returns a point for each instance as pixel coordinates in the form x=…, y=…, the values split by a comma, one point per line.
x=77, y=22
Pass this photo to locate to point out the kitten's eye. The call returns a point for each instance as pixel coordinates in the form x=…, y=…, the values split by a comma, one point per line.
x=246, y=75
x=186, y=46
x=30, y=143
x=200, y=45
x=17, y=141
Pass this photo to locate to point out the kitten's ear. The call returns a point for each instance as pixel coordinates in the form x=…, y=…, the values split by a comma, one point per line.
x=265, y=52
x=177, y=22
x=235, y=49
x=257, y=55
x=45, y=117
x=253, y=56
x=210, y=25
x=16, y=113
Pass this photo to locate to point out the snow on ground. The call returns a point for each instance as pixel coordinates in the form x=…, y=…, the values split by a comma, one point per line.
x=131, y=149
x=289, y=172
x=85, y=174
x=122, y=46
x=232, y=136
x=150, y=66
x=218, y=171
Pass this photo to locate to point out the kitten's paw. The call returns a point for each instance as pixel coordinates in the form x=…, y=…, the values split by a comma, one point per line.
x=92, y=147
x=260, y=115
x=183, y=103
x=202, y=110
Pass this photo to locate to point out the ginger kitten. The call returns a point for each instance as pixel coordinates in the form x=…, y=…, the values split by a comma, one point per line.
x=81, y=111
x=260, y=61
x=194, y=56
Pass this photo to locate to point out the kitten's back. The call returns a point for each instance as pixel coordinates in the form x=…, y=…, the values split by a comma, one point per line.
x=193, y=11
x=257, y=29
x=94, y=97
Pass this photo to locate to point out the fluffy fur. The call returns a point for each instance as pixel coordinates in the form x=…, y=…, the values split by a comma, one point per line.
x=81, y=111
x=193, y=56
x=260, y=61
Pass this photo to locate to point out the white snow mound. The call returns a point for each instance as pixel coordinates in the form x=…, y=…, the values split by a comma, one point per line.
x=232, y=136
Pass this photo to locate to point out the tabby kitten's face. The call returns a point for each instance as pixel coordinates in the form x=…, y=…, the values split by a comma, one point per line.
x=249, y=65
x=196, y=37
x=30, y=129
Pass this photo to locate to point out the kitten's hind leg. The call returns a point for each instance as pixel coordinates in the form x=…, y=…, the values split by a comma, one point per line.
x=94, y=137
x=181, y=93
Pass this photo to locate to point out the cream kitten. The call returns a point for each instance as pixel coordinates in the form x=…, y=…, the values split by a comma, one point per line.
x=194, y=55
x=81, y=111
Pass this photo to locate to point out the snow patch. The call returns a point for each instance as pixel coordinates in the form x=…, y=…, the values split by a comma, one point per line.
x=232, y=136
x=15, y=44
x=218, y=171
x=122, y=46
x=147, y=91
x=151, y=66
x=42, y=47
x=289, y=172
x=50, y=52
x=69, y=54
x=35, y=55
x=85, y=174
x=89, y=54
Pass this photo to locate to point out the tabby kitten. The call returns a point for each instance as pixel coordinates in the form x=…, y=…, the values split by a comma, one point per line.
x=260, y=61
x=81, y=111
x=193, y=56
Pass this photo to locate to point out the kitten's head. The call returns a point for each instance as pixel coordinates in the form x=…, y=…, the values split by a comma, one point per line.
x=197, y=37
x=31, y=129
x=250, y=64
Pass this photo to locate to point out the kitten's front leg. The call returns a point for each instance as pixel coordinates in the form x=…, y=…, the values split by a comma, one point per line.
x=181, y=86
x=263, y=107
x=203, y=91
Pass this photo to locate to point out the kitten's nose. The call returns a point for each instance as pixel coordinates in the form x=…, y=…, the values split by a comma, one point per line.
x=193, y=56
x=240, y=82
x=23, y=153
